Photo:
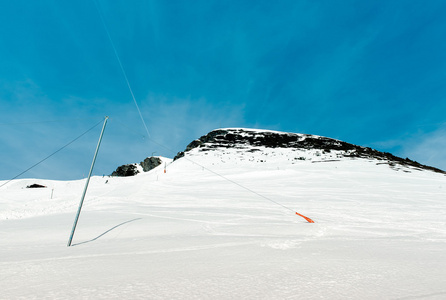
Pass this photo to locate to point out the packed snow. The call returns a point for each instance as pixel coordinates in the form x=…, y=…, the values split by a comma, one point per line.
x=220, y=224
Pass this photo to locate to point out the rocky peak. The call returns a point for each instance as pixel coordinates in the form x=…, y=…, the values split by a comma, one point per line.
x=249, y=138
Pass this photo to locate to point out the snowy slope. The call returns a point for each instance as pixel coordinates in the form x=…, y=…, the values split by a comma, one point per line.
x=219, y=224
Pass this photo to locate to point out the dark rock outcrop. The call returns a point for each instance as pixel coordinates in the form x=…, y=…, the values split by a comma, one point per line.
x=246, y=139
x=35, y=185
x=150, y=163
x=126, y=170
x=132, y=169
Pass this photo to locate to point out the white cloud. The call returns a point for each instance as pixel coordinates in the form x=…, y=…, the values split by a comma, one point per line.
x=428, y=149
x=175, y=122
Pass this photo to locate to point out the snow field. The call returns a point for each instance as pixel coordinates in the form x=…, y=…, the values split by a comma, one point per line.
x=191, y=234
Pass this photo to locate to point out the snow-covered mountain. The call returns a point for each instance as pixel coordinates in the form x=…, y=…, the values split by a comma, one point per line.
x=303, y=147
x=219, y=223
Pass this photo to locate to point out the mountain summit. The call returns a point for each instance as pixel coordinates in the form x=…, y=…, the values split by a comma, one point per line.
x=302, y=147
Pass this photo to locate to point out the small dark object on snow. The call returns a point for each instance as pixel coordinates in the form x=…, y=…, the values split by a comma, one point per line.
x=35, y=185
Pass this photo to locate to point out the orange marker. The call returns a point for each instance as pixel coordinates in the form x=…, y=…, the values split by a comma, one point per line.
x=306, y=218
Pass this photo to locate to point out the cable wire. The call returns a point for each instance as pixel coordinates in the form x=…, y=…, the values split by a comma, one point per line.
x=51, y=154
x=227, y=179
x=142, y=119
x=249, y=190
x=40, y=122
x=121, y=66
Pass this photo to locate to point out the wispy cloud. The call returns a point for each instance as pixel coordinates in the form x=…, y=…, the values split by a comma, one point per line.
x=177, y=121
x=425, y=147
x=428, y=148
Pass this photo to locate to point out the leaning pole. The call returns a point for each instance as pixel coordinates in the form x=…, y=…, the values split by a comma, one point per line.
x=86, y=184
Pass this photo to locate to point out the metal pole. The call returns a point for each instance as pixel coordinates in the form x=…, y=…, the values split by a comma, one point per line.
x=86, y=184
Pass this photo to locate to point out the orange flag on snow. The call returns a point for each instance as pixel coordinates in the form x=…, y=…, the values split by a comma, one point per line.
x=306, y=218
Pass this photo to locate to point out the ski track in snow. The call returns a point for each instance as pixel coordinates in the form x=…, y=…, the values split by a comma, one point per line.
x=379, y=233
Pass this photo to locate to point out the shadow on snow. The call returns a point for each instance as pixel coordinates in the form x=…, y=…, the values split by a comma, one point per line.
x=104, y=233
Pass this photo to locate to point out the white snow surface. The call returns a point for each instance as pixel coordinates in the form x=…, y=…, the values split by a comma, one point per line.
x=206, y=229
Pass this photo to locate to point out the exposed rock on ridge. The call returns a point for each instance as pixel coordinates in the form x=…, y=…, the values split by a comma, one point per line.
x=245, y=138
x=150, y=163
x=126, y=170
x=132, y=169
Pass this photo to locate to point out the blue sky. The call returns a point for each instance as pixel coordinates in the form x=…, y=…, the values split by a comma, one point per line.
x=371, y=73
